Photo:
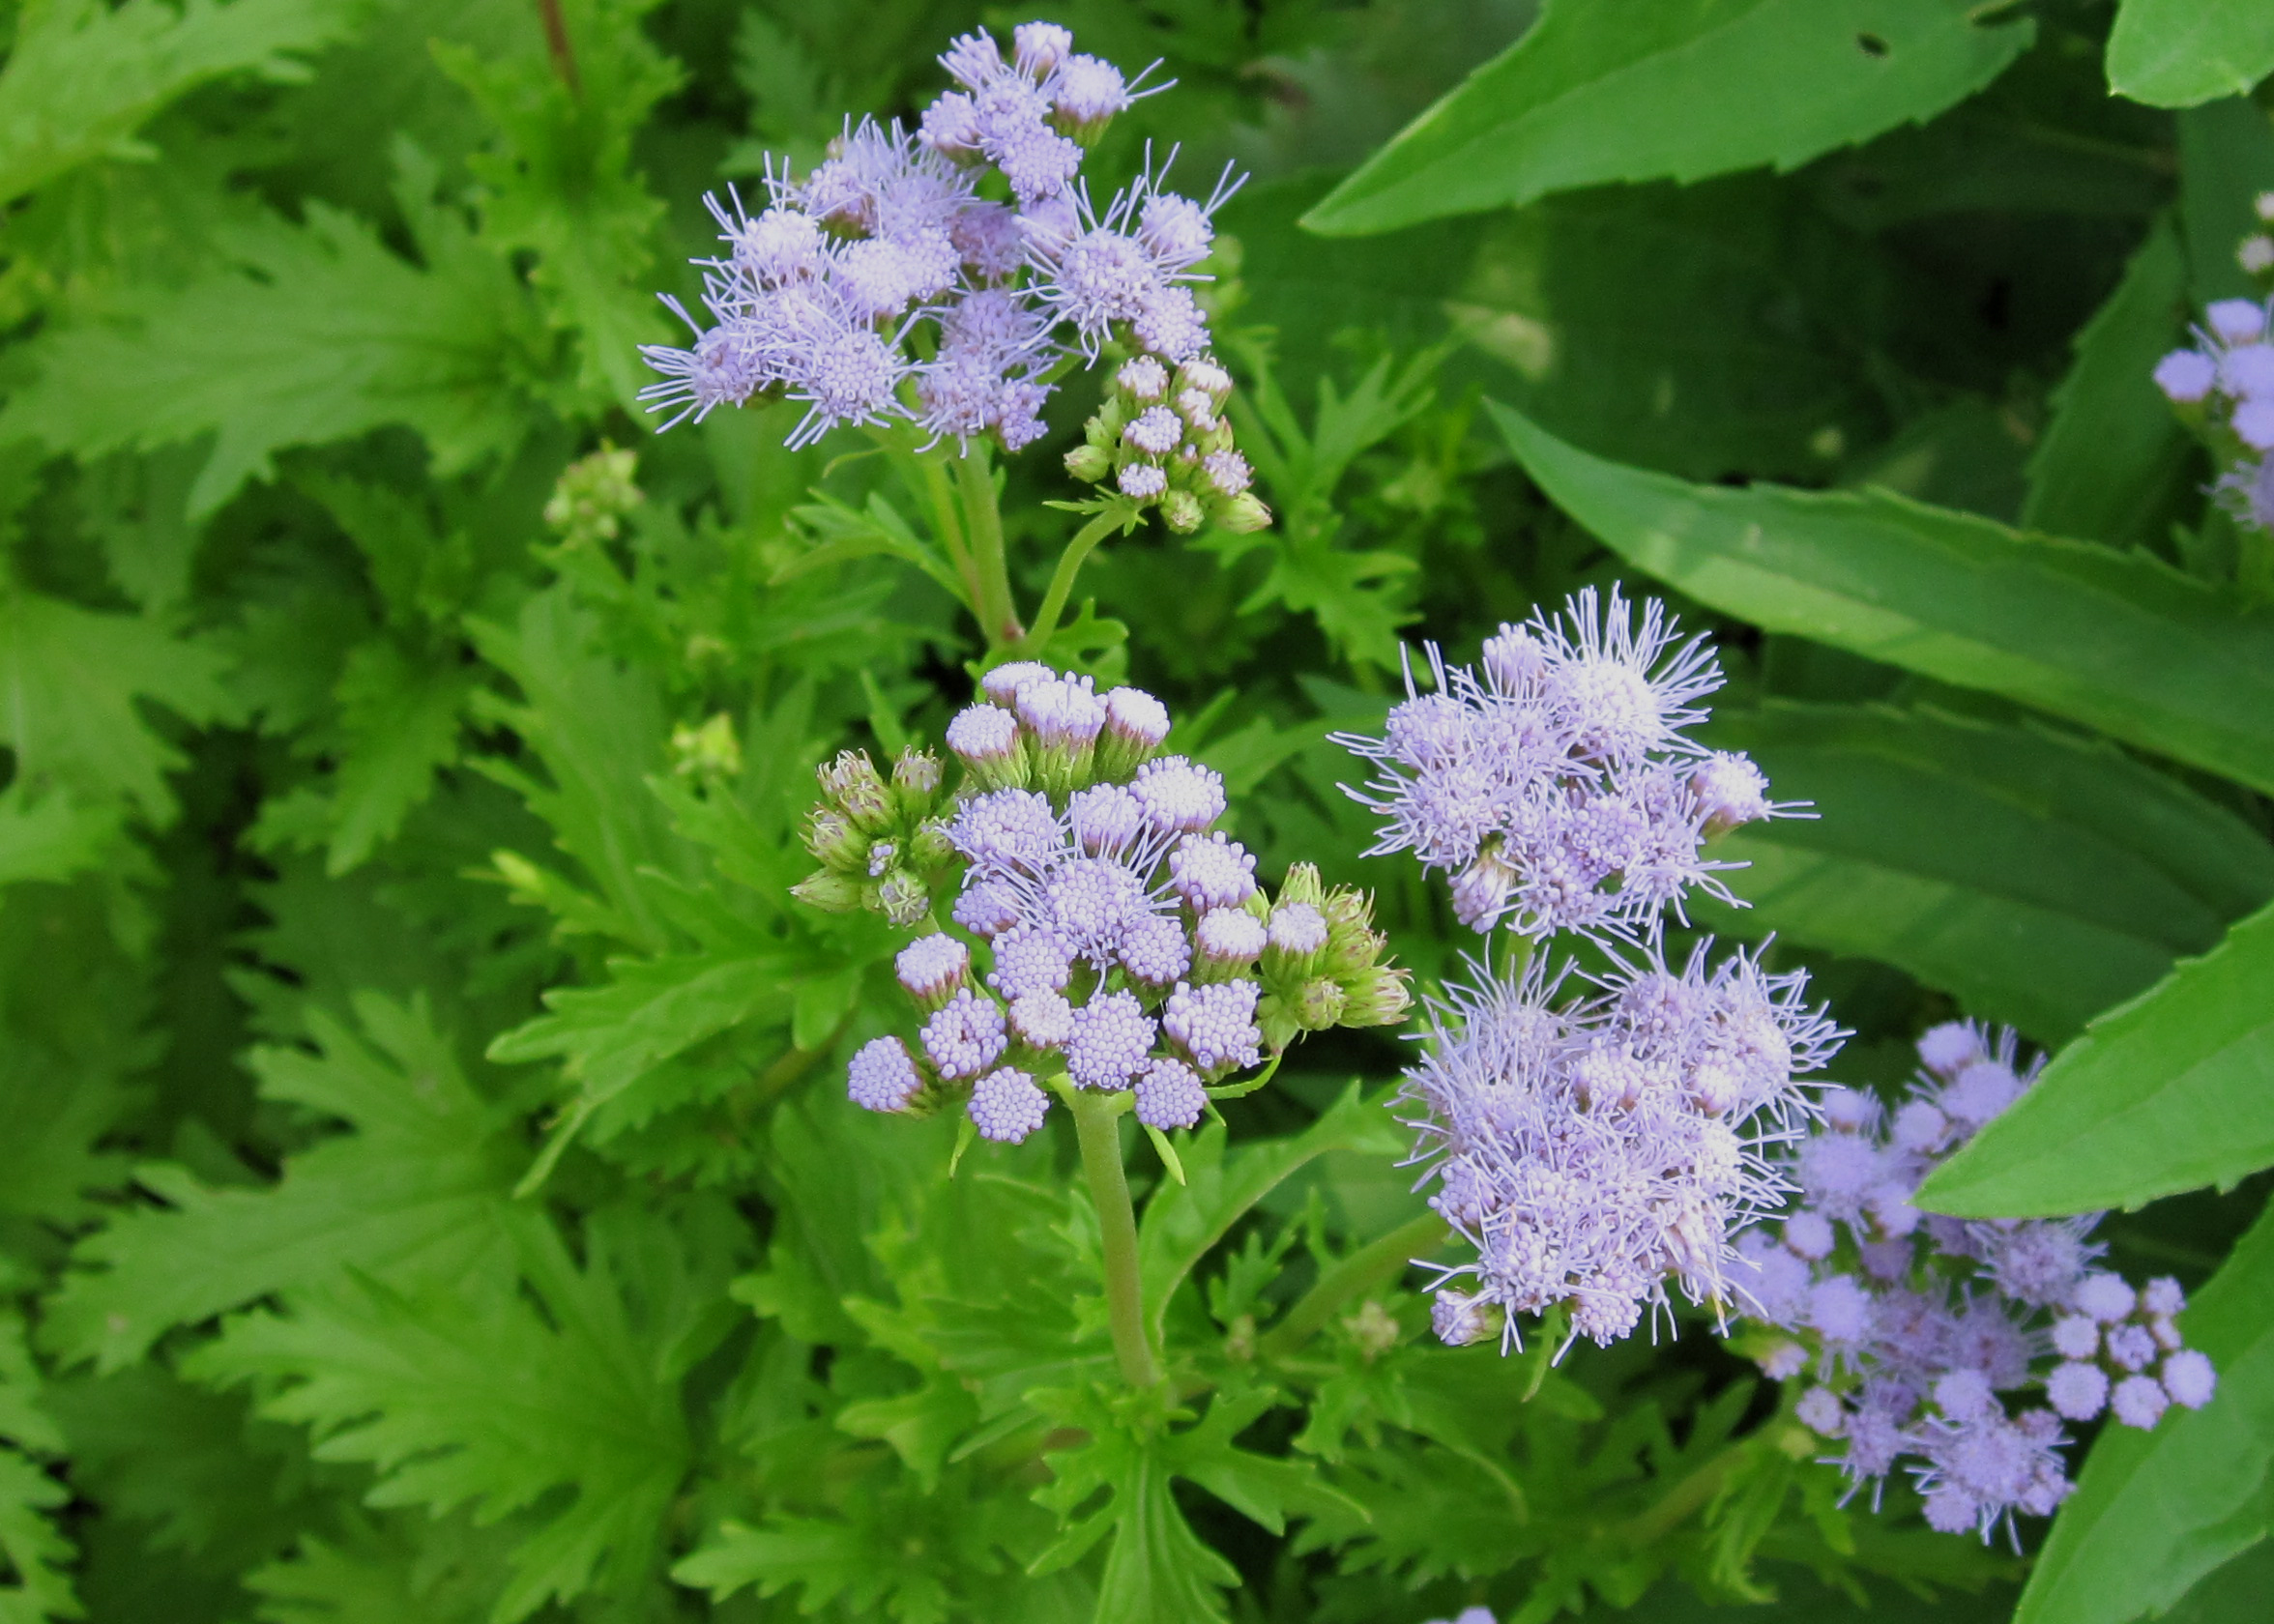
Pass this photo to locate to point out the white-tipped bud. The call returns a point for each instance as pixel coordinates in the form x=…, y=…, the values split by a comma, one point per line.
x=1226, y=941
x=1001, y=684
x=932, y=968
x=1144, y=380
x=987, y=740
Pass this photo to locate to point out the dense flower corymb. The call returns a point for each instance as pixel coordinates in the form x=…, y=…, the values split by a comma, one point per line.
x=1554, y=781
x=1113, y=938
x=1916, y=1327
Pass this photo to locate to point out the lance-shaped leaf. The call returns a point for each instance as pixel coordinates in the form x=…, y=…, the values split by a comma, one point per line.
x=2038, y=877
x=2171, y=1091
x=2155, y=1511
x=1673, y=90
x=2117, y=640
x=2180, y=53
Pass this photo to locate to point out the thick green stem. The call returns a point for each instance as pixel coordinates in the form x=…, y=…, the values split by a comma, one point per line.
x=941, y=497
x=982, y=522
x=1097, y=1125
x=1375, y=1264
x=1061, y=579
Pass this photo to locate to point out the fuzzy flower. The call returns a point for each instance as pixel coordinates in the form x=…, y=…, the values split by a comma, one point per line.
x=1214, y=1023
x=1558, y=789
x=883, y=1077
x=966, y=1036
x=1111, y=1043
x=1007, y=1104
x=1170, y=1095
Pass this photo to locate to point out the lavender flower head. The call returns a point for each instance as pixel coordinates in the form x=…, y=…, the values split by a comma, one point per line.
x=1922, y=1329
x=1113, y=940
x=2222, y=386
x=1556, y=781
x=1598, y=1147
x=822, y=286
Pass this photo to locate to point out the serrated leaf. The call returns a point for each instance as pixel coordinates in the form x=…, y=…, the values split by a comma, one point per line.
x=1673, y=90
x=36, y=1553
x=2155, y=1511
x=2180, y=53
x=2038, y=877
x=2110, y=460
x=412, y=1193
x=2118, y=641
x=2173, y=1090
x=83, y=76
x=53, y=837
x=72, y=683
x=315, y=333
x=488, y=1404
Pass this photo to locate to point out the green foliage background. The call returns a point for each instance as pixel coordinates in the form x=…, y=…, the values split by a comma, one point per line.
x=426, y=1190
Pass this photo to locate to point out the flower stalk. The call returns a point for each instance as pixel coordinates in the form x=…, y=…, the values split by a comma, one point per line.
x=1098, y=1127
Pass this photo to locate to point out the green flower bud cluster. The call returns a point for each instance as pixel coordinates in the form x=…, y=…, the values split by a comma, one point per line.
x=1324, y=962
x=594, y=496
x=882, y=845
x=1162, y=439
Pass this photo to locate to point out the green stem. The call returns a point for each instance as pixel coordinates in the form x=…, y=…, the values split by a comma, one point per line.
x=1375, y=1264
x=982, y=520
x=1097, y=1125
x=1686, y=1497
x=1061, y=579
x=941, y=498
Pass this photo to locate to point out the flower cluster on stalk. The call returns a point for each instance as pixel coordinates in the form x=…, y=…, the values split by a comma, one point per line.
x=949, y=276
x=1922, y=1338
x=1105, y=935
x=1596, y=1140
x=2222, y=386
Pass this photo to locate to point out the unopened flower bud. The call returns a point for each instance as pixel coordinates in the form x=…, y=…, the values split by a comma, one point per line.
x=1063, y=719
x=1144, y=380
x=1225, y=943
x=851, y=782
x=1352, y=944
x=1182, y=512
x=832, y=894
x=1001, y=685
x=1729, y=791
x=1242, y=515
x=1377, y=996
x=987, y=739
x=1298, y=935
x=1304, y=885
x=1089, y=463
x=1481, y=890
x=929, y=849
x=1319, y=1004
x=835, y=844
x=903, y=898
x=1205, y=375
x=884, y=1077
x=917, y=775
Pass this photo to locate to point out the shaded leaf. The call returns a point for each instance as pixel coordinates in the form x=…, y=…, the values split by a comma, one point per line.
x=1660, y=90
x=2179, y=53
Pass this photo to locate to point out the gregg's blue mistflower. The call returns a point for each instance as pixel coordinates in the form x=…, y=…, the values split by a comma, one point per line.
x=1925, y=1329
x=2222, y=386
x=1596, y=1149
x=1555, y=782
x=1106, y=935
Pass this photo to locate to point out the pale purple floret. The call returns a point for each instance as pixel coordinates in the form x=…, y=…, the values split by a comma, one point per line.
x=2075, y=1336
x=2105, y=1297
x=2139, y=1400
x=2130, y=1347
x=1111, y=1043
x=1157, y=951
x=882, y=1077
x=932, y=967
x=966, y=1036
x=1819, y=1409
x=1008, y=832
x=1043, y=1020
x=2236, y=320
x=1142, y=480
x=1178, y=795
x=1135, y=716
x=1945, y=1049
x=1228, y=471
x=2035, y=1261
x=2189, y=1379
x=2163, y=1296
x=1208, y=871
x=1106, y=817
x=2254, y=424
x=1154, y=431
x=1144, y=379
x=1214, y=1023
x=1809, y=1235
x=1030, y=958
x=2077, y=1391
x=1840, y=1311
x=1062, y=712
x=1007, y=1104
x=1093, y=902
x=1297, y=929
x=1229, y=935
x=984, y=734
x=1170, y=1095
x=1979, y=1473
x=1000, y=684
x=986, y=908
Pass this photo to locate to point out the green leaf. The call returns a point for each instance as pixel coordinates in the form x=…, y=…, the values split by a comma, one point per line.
x=2117, y=640
x=2180, y=53
x=496, y=1404
x=2114, y=455
x=51, y=838
x=1661, y=90
x=2155, y=1511
x=2038, y=877
x=2226, y=160
x=82, y=75
x=2173, y=1090
x=71, y=685
x=315, y=333
x=415, y=1191
x=38, y=1586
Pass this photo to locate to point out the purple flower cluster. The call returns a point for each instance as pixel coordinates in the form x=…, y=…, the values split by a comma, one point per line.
x=2223, y=388
x=1593, y=1152
x=1559, y=788
x=1912, y=1327
x=818, y=292
x=1131, y=947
